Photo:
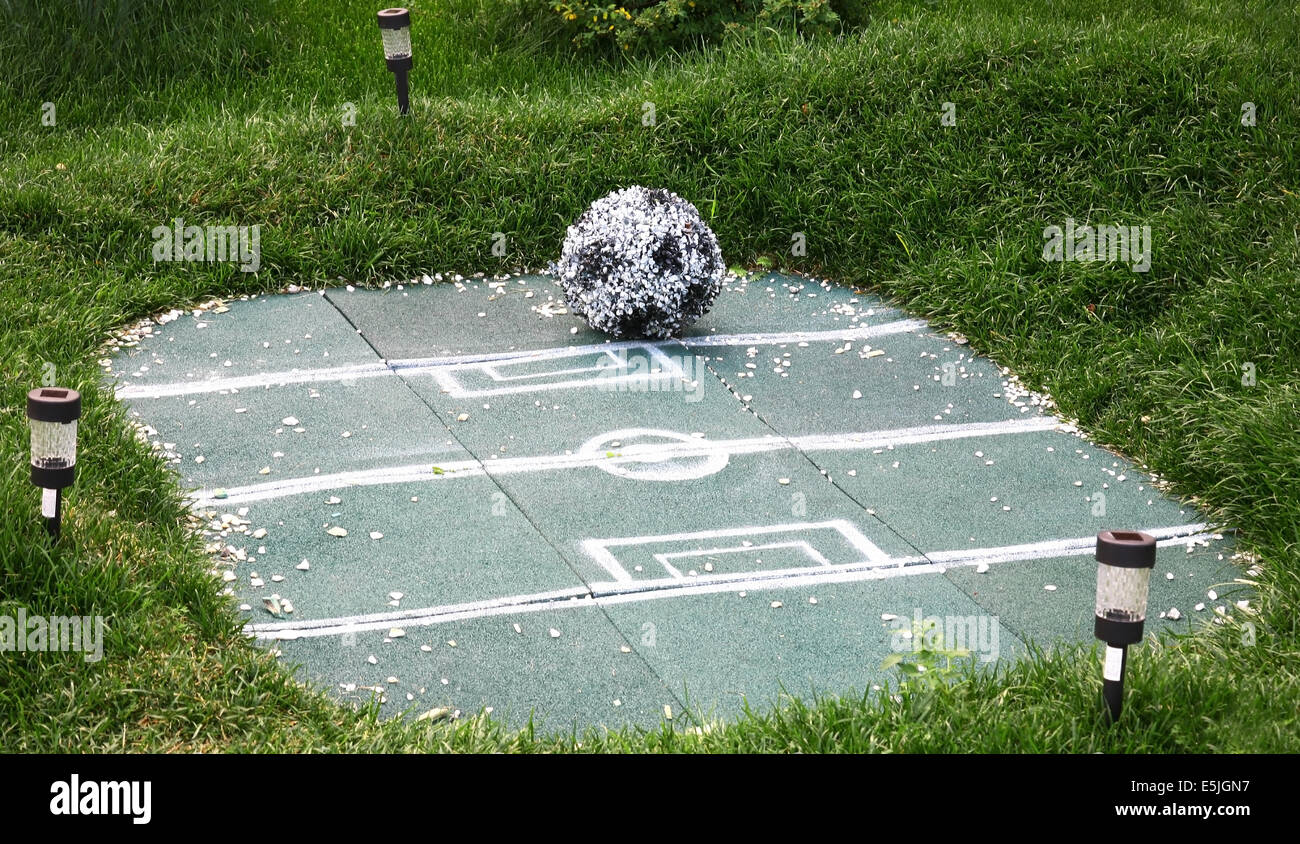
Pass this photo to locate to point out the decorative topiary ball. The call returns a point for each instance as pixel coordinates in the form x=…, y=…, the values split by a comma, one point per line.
x=640, y=263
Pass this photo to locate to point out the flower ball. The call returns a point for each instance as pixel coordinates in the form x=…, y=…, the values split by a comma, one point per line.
x=640, y=263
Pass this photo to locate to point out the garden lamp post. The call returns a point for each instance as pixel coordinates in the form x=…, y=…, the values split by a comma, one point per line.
x=395, y=28
x=52, y=413
x=1124, y=563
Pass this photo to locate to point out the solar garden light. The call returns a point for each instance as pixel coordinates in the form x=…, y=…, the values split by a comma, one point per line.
x=53, y=413
x=395, y=28
x=1124, y=563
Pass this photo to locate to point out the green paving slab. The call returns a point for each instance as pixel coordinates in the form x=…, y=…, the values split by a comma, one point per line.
x=259, y=335
x=479, y=316
x=561, y=404
x=802, y=388
x=773, y=303
x=580, y=678
x=939, y=495
x=339, y=426
x=719, y=650
x=1016, y=591
x=487, y=316
x=462, y=541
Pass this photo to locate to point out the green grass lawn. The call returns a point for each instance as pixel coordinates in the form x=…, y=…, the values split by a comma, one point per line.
x=1087, y=110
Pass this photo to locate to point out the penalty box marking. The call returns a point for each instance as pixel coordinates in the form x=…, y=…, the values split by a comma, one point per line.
x=864, y=551
x=583, y=597
x=612, y=367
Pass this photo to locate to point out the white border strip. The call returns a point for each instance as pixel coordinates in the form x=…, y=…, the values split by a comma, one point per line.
x=416, y=366
x=619, y=593
x=264, y=379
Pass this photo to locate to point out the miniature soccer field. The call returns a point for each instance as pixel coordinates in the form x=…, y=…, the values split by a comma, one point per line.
x=469, y=500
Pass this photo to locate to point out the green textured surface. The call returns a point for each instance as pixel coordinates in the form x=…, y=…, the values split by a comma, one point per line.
x=570, y=680
x=439, y=320
x=386, y=424
x=765, y=302
x=666, y=542
x=1036, y=484
x=301, y=331
x=800, y=648
x=814, y=393
x=463, y=540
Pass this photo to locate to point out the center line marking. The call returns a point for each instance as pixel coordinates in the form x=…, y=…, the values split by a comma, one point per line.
x=637, y=453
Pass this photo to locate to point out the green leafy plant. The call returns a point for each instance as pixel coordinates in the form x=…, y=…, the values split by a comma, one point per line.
x=931, y=664
x=653, y=24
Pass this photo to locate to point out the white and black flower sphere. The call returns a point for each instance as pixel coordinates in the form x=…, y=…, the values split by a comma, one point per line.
x=640, y=263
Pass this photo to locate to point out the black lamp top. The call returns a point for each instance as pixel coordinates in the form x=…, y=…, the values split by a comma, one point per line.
x=1128, y=549
x=53, y=404
x=394, y=19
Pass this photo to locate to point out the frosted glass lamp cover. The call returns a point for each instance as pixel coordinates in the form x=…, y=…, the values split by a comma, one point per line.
x=52, y=413
x=395, y=29
x=1124, y=563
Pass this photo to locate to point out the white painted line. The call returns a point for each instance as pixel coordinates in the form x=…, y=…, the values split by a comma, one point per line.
x=339, y=480
x=416, y=366
x=631, y=460
x=923, y=434
x=800, y=544
x=1059, y=547
x=862, y=332
x=622, y=591
x=244, y=382
x=420, y=617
